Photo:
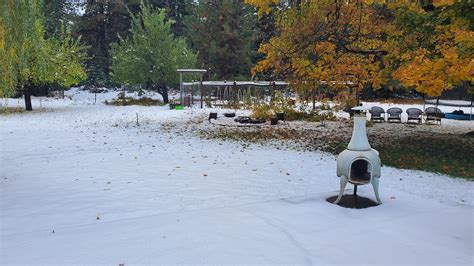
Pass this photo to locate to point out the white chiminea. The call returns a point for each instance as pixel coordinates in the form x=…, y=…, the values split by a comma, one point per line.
x=359, y=164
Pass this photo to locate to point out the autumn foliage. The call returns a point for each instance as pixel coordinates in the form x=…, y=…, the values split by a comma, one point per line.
x=438, y=54
x=428, y=47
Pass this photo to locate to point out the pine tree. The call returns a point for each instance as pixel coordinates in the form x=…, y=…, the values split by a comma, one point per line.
x=98, y=29
x=223, y=35
x=150, y=57
x=57, y=13
x=176, y=10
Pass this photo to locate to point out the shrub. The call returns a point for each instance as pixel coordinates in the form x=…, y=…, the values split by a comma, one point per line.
x=262, y=111
x=11, y=110
x=125, y=101
x=268, y=111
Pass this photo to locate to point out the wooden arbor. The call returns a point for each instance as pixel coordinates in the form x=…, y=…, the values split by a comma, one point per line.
x=189, y=71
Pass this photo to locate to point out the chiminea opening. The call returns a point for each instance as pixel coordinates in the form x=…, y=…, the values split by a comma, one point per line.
x=360, y=172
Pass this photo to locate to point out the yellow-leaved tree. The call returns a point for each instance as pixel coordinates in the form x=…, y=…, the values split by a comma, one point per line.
x=28, y=58
x=434, y=46
x=425, y=45
x=336, y=43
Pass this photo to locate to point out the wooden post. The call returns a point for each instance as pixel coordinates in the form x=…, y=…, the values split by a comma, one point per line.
x=234, y=95
x=202, y=96
x=208, y=96
x=181, y=89
x=273, y=91
x=192, y=93
x=200, y=87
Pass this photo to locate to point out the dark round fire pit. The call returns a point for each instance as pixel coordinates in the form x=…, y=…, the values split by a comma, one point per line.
x=353, y=202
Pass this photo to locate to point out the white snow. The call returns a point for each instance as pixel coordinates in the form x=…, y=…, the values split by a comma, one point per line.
x=114, y=192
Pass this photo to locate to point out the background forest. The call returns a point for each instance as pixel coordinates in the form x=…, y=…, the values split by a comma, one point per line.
x=377, y=46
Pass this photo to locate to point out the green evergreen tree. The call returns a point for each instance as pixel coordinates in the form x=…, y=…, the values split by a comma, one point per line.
x=150, y=57
x=223, y=33
x=176, y=10
x=104, y=21
x=57, y=13
x=98, y=27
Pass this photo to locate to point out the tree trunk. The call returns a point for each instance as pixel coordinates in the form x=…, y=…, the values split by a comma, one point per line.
x=163, y=90
x=357, y=97
x=164, y=93
x=27, y=94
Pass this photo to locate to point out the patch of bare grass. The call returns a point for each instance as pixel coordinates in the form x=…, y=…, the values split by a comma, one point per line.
x=427, y=148
x=21, y=110
x=11, y=110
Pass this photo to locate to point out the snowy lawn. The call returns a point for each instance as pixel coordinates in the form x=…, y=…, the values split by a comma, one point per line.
x=83, y=184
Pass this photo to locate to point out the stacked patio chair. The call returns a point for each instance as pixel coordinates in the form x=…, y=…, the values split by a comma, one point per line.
x=394, y=114
x=433, y=114
x=377, y=114
x=414, y=114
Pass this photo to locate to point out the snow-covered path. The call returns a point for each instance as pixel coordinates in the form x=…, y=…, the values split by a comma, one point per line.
x=114, y=192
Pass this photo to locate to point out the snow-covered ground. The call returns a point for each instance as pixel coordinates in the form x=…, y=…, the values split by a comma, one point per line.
x=81, y=183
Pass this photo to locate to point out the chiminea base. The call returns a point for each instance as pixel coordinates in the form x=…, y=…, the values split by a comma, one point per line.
x=353, y=202
x=345, y=180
